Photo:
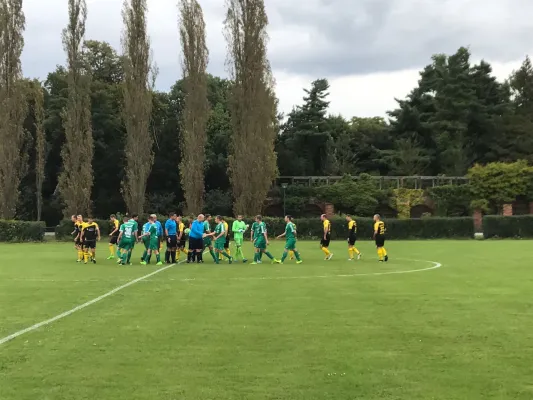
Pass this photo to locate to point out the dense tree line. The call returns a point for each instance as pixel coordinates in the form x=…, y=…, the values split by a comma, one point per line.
x=458, y=115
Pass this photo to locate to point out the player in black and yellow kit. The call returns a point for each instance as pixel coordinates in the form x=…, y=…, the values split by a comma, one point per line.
x=182, y=238
x=78, y=224
x=113, y=236
x=379, y=237
x=326, y=238
x=89, y=235
x=352, y=238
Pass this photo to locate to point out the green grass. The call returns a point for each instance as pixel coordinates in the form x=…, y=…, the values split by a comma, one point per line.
x=309, y=331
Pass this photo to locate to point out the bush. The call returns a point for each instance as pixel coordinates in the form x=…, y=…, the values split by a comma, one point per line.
x=21, y=231
x=518, y=226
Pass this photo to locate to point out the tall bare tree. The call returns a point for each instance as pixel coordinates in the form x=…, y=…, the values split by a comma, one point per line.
x=139, y=74
x=76, y=179
x=252, y=161
x=195, y=113
x=13, y=106
x=40, y=143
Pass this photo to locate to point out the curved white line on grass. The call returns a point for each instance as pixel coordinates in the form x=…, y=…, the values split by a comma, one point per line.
x=82, y=306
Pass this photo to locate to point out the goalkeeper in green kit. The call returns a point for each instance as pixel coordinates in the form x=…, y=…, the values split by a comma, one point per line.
x=238, y=228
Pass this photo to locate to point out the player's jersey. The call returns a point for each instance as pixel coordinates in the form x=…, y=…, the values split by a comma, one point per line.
x=181, y=228
x=128, y=230
x=260, y=230
x=114, y=225
x=207, y=227
x=90, y=231
x=327, y=226
x=226, y=228
x=153, y=231
x=290, y=231
x=254, y=230
x=379, y=228
x=220, y=228
x=352, y=228
x=77, y=228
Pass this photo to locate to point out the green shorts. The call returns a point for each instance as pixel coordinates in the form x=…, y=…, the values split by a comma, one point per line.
x=207, y=241
x=238, y=241
x=153, y=244
x=290, y=244
x=260, y=244
x=146, y=242
x=219, y=244
x=126, y=244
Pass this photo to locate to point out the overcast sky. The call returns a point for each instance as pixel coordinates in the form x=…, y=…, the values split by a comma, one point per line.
x=370, y=50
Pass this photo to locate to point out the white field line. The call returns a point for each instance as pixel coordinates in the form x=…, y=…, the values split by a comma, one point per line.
x=82, y=306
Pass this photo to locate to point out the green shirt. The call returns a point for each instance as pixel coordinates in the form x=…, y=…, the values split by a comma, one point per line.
x=153, y=231
x=290, y=231
x=260, y=230
x=207, y=227
x=254, y=230
x=238, y=229
x=218, y=230
x=128, y=230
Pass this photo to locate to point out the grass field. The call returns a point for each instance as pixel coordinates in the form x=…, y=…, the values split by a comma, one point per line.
x=320, y=330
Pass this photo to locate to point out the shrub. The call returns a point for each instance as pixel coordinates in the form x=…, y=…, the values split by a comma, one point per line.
x=518, y=226
x=21, y=231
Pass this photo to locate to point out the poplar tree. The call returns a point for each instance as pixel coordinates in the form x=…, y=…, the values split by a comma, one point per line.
x=13, y=106
x=139, y=77
x=252, y=161
x=196, y=106
x=40, y=144
x=76, y=179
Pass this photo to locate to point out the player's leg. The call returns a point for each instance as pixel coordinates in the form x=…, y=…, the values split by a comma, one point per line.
x=212, y=252
x=112, y=247
x=93, y=252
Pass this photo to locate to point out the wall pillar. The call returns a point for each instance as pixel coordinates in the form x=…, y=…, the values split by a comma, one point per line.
x=507, y=210
x=478, y=220
x=329, y=210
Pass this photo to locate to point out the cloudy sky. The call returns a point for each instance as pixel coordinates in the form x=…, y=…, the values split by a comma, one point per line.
x=370, y=50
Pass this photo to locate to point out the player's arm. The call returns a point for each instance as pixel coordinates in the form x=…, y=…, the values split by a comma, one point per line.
x=81, y=233
x=98, y=232
x=280, y=236
x=265, y=234
x=180, y=233
x=325, y=231
x=235, y=227
x=114, y=230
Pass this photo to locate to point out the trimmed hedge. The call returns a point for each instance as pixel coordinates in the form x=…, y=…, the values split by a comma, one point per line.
x=517, y=226
x=311, y=228
x=21, y=231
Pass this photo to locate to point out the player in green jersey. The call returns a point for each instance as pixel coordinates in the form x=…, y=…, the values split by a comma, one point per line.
x=239, y=228
x=153, y=244
x=261, y=242
x=220, y=239
x=290, y=240
x=126, y=240
x=208, y=238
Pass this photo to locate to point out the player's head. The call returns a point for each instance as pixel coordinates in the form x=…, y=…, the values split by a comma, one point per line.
x=112, y=217
x=73, y=218
x=258, y=218
x=377, y=217
x=348, y=218
x=239, y=217
x=153, y=217
x=218, y=219
x=178, y=218
x=135, y=217
x=172, y=215
x=125, y=218
x=80, y=218
x=323, y=217
x=208, y=217
x=90, y=219
x=288, y=218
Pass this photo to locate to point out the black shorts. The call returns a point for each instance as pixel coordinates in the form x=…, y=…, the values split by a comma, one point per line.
x=78, y=242
x=172, y=241
x=226, y=245
x=325, y=242
x=380, y=240
x=113, y=239
x=196, y=244
x=89, y=244
x=180, y=244
x=352, y=240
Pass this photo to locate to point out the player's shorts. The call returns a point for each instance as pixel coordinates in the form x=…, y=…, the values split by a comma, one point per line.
x=260, y=244
x=113, y=239
x=126, y=244
x=290, y=244
x=208, y=241
x=146, y=241
x=78, y=242
x=153, y=244
x=380, y=240
x=352, y=240
x=325, y=242
x=90, y=244
x=180, y=244
x=238, y=241
x=226, y=245
x=219, y=244
x=172, y=241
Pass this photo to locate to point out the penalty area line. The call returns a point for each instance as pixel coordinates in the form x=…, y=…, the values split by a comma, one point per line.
x=84, y=305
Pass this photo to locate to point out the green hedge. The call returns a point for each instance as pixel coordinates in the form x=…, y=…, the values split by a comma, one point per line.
x=311, y=228
x=518, y=226
x=21, y=231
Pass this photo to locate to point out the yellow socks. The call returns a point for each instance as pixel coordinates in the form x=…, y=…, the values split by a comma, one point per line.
x=351, y=253
x=228, y=252
x=112, y=250
x=80, y=255
x=291, y=254
x=384, y=252
x=86, y=256
x=380, y=253
x=326, y=251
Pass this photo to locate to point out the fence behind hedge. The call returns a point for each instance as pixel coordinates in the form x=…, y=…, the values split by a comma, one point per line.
x=517, y=226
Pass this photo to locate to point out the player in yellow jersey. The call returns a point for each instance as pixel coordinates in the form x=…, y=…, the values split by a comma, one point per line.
x=226, y=243
x=326, y=237
x=181, y=237
x=379, y=237
x=78, y=244
x=113, y=236
x=90, y=233
x=352, y=238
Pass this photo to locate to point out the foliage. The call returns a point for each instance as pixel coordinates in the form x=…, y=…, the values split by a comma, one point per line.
x=196, y=105
x=500, y=183
x=139, y=79
x=76, y=179
x=404, y=199
x=13, y=106
x=21, y=231
x=40, y=143
x=518, y=226
x=252, y=163
x=451, y=200
x=218, y=202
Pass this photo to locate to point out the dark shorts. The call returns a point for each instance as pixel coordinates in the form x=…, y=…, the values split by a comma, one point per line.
x=181, y=243
x=113, y=239
x=325, y=242
x=78, y=242
x=352, y=240
x=380, y=240
x=89, y=244
x=196, y=244
x=226, y=245
x=172, y=241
